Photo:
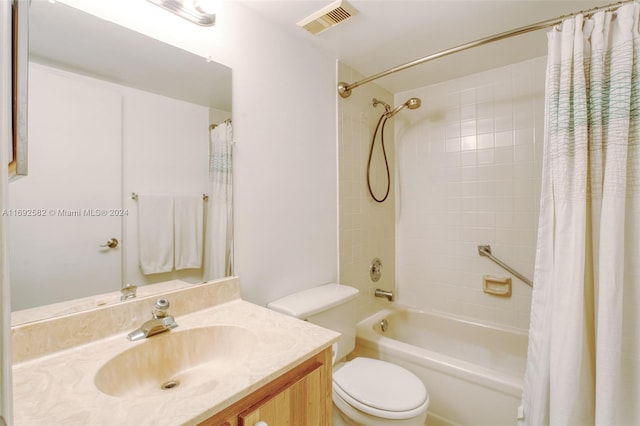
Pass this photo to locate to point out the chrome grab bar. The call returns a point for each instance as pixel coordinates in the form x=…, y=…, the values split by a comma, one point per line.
x=486, y=251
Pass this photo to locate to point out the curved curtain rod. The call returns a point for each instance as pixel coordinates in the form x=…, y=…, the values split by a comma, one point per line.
x=213, y=126
x=344, y=89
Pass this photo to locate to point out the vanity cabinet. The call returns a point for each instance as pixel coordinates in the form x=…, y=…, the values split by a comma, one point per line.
x=301, y=396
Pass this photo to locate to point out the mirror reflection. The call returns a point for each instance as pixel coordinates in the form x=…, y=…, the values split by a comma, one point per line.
x=129, y=164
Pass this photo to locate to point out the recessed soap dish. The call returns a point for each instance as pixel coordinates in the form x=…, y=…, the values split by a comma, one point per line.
x=496, y=286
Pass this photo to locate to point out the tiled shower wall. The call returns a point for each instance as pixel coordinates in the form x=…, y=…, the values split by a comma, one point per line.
x=468, y=173
x=367, y=229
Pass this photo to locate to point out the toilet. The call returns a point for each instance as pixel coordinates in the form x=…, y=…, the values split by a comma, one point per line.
x=366, y=391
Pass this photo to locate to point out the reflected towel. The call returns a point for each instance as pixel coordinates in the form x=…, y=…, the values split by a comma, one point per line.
x=155, y=233
x=188, y=220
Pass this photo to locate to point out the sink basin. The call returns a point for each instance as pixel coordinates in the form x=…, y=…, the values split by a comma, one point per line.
x=176, y=360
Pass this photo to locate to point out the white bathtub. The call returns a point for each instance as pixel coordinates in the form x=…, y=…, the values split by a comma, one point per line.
x=473, y=371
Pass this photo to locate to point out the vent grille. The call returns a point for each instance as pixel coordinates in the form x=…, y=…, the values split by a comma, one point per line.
x=334, y=14
x=338, y=15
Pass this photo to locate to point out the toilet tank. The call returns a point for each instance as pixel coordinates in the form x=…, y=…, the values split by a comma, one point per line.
x=332, y=306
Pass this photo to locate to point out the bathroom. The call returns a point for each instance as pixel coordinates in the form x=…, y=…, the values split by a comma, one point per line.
x=301, y=212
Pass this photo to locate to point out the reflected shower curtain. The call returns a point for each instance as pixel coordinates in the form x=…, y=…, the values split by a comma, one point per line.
x=219, y=258
x=583, y=364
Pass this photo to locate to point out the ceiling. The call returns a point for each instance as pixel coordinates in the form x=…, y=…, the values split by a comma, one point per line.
x=388, y=33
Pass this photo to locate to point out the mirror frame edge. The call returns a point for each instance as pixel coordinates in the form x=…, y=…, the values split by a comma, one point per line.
x=6, y=394
x=20, y=65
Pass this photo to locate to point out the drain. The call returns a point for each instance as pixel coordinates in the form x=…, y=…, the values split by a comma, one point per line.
x=170, y=384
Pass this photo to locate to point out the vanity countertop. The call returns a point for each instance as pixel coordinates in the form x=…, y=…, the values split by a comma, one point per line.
x=58, y=388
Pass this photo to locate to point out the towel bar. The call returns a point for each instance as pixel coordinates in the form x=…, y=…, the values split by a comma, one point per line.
x=134, y=196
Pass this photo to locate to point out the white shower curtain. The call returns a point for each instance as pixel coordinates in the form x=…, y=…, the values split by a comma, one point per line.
x=583, y=363
x=219, y=257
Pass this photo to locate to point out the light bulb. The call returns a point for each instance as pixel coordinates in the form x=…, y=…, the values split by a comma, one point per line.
x=207, y=6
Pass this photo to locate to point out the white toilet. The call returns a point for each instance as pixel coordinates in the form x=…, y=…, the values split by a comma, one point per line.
x=365, y=391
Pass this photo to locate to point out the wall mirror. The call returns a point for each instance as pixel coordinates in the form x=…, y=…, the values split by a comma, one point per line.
x=112, y=113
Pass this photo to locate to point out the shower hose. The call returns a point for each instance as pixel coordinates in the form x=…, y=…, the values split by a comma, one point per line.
x=383, y=120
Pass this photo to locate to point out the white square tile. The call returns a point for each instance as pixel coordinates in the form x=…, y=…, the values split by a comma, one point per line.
x=503, y=139
x=485, y=141
x=503, y=155
x=468, y=143
x=468, y=96
x=468, y=128
x=485, y=125
x=452, y=145
x=453, y=130
x=467, y=158
x=484, y=93
x=485, y=156
x=468, y=173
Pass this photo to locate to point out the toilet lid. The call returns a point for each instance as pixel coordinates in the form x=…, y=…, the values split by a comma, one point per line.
x=381, y=386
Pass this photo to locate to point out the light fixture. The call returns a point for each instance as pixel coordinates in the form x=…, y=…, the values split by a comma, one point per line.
x=207, y=6
x=201, y=12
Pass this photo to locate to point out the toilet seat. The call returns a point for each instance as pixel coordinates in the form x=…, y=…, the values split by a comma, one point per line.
x=381, y=389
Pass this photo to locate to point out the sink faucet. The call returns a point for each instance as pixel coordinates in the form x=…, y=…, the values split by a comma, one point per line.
x=160, y=322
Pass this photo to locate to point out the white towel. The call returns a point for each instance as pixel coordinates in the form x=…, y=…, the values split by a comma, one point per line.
x=155, y=233
x=188, y=222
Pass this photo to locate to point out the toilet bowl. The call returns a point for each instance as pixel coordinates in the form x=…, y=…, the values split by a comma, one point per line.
x=372, y=392
x=367, y=392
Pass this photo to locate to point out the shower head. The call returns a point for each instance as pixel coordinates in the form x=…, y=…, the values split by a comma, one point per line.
x=412, y=103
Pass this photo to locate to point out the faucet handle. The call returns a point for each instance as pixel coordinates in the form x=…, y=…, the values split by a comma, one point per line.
x=128, y=291
x=160, y=308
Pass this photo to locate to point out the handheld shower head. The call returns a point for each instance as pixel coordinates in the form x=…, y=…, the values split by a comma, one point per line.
x=413, y=103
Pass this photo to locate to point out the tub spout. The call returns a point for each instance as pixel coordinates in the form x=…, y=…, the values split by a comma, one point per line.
x=384, y=293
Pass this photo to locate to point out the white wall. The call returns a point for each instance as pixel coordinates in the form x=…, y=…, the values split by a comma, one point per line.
x=284, y=112
x=469, y=164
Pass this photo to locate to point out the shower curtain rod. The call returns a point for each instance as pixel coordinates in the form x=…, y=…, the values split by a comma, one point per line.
x=213, y=126
x=344, y=89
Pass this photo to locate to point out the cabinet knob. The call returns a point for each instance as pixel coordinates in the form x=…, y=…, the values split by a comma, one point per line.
x=261, y=423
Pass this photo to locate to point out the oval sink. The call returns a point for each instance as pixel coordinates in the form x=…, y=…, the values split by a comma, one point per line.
x=176, y=360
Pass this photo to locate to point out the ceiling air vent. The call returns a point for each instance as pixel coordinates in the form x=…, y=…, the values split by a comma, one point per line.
x=327, y=17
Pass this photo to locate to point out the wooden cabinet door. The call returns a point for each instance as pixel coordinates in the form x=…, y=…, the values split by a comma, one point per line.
x=300, y=397
x=302, y=403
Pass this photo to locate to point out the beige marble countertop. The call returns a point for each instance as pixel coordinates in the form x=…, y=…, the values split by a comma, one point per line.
x=58, y=388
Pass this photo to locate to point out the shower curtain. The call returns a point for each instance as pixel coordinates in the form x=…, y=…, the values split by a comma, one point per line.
x=583, y=363
x=219, y=257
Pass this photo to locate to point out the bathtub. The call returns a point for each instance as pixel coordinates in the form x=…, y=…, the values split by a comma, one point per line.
x=473, y=371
